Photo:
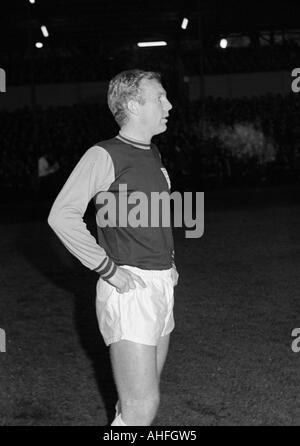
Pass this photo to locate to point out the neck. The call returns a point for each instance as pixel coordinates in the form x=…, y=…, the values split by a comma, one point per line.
x=134, y=142
x=136, y=134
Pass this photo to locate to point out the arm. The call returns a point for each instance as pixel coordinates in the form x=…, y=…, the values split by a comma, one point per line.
x=94, y=172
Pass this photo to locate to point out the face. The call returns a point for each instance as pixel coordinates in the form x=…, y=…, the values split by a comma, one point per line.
x=154, y=112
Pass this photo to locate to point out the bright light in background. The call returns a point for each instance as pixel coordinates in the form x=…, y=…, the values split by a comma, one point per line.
x=223, y=43
x=184, y=23
x=39, y=45
x=158, y=43
x=44, y=31
x=32, y=2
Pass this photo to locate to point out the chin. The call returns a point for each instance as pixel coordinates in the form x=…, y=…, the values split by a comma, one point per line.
x=162, y=129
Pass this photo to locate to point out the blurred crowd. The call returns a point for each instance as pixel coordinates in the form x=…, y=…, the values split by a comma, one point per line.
x=216, y=143
x=235, y=141
x=96, y=63
x=248, y=59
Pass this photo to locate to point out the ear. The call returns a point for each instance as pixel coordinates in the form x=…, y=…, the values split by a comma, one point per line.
x=133, y=107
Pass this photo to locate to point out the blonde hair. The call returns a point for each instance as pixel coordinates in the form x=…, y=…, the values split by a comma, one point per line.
x=124, y=87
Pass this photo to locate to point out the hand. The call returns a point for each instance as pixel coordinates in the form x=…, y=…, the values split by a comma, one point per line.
x=175, y=275
x=124, y=280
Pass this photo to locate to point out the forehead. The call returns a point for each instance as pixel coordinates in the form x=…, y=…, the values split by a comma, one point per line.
x=152, y=87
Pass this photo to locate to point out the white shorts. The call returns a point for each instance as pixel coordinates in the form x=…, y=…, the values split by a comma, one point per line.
x=142, y=315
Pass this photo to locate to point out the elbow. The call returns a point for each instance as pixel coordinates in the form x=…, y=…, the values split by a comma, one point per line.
x=53, y=220
x=61, y=217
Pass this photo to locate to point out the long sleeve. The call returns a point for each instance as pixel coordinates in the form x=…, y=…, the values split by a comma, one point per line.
x=93, y=173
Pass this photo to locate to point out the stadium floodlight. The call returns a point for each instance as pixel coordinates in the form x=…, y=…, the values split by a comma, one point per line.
x=184, y=23
x=223, y=43
x=44, y=31
x=157, y=43
x=39, y=45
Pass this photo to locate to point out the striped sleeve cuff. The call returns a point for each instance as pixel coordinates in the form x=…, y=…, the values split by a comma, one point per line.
x=173, y=259
x=106, y=269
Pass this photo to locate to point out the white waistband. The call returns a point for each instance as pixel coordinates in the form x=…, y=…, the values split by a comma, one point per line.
x=148, y=272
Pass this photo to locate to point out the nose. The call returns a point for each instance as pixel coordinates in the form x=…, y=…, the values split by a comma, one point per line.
x=169, y=105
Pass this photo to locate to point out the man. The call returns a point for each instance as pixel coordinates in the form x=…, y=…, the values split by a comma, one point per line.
x=135, y=290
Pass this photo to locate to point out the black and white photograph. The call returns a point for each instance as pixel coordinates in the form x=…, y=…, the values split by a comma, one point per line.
x=149, y=215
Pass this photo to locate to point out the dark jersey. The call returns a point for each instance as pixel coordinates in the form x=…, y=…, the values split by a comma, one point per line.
x=122, y=169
